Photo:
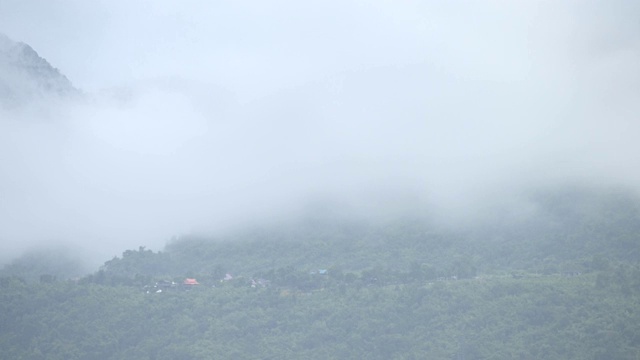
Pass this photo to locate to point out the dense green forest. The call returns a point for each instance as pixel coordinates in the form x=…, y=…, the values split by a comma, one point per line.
x=560, y=283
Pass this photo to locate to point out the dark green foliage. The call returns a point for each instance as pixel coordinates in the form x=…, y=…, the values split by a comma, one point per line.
x=550, y=317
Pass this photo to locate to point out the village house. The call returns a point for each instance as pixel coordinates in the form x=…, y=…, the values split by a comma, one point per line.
x=190, y=282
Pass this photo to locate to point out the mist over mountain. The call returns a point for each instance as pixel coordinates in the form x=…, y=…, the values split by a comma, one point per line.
x=25, y=77
x=195, y=126
x=334, y=179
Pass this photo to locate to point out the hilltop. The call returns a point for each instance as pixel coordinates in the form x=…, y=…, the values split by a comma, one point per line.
x=25, y=76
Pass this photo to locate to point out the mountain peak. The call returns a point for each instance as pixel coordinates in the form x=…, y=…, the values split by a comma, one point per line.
x=26, y=77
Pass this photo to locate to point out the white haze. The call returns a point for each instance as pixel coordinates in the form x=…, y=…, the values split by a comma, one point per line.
x=202, y=115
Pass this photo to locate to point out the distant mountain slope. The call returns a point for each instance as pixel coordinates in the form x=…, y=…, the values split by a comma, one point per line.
x=572, y=230
x=25, y=76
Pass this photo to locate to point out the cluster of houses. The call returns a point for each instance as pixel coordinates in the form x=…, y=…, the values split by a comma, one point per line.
x=190, y=283
x=163, y=285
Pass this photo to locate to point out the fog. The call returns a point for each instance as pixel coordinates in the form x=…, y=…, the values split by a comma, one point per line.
x=200, y=116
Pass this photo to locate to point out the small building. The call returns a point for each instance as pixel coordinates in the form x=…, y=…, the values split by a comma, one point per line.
x=259, y=283
x=189, y=281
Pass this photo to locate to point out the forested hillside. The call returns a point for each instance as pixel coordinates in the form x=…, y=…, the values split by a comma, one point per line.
x=196, y=180
x=569, y=231
x=581, y=317
x=563, y=283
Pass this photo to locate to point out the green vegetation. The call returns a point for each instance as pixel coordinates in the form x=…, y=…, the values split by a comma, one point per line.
x=564, y=283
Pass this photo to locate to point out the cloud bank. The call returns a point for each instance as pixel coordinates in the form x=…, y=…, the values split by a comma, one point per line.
x=200, y=116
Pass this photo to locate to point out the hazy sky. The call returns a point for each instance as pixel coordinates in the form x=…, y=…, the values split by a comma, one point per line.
x=204, y=114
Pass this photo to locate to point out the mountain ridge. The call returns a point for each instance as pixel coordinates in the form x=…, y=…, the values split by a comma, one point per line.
x=25, y=76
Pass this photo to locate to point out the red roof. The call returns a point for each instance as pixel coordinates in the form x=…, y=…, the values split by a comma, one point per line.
x=188, y=281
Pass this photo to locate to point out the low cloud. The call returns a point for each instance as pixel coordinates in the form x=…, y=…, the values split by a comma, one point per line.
x=377, y=109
